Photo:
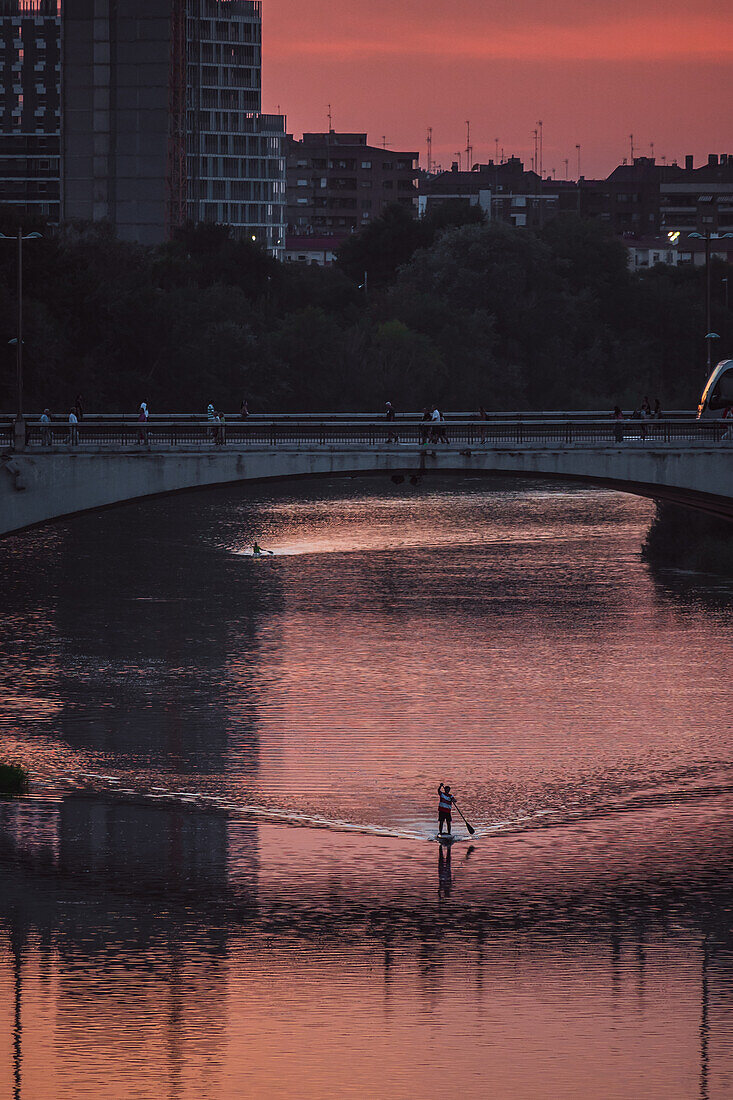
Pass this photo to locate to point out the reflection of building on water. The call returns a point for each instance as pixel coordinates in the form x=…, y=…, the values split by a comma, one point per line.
x=29, y=832
x=167, y=853
x=175, y=651
x=91, y=879
x=163, y=853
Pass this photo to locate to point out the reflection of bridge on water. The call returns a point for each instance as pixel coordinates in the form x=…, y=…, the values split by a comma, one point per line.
x=107, y=461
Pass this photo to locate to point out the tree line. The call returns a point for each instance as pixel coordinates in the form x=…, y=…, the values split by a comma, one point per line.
x=455, y=312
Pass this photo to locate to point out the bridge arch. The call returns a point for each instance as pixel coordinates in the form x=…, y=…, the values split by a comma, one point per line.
x=36, y=488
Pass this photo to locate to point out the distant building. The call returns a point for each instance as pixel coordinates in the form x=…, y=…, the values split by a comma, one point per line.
x=337, y=183
x=30, y=63
x=628, y=201
x=699, y=200
x=643, y=199
x=648, y=251
x=506, y=192
x=311, y=250
x=161, y=119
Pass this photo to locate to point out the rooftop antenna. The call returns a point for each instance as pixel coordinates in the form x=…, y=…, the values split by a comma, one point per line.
x=566, y=167
x=469, y=147
x=384, y=141
x=535, y=137
x=496, y=150
x=330, y=120
x=651, y=147
x=460, y=162
x=577, y=150
x=631, y=142
x=430, y=149
x=502, y=154
x=539, y=125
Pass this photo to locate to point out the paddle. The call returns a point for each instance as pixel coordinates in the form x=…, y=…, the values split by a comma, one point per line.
x=469, y=827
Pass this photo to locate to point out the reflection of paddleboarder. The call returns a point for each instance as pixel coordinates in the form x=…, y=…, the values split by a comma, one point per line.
x=445, y=878
x=445, y=803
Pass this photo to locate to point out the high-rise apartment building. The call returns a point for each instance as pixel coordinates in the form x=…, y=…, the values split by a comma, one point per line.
x=30, y=76
x=162, y=122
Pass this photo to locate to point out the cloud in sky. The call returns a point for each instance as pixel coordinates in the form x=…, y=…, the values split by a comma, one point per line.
x=631, y=39
x=592, y=70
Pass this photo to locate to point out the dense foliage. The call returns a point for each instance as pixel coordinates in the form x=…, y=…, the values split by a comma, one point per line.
x=460, y=314
x=13, y=779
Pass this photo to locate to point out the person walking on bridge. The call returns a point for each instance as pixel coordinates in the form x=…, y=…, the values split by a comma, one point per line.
x=45, y=423
x=391, y=416
x=445, y=804
x=142, y=416
x=73, y=429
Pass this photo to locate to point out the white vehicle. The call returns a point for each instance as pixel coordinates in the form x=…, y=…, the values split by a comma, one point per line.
x=718, y=394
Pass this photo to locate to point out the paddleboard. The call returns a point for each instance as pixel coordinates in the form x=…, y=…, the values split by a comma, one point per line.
x=443, y=839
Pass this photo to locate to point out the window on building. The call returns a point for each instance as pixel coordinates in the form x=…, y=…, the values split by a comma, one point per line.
x=366, y=164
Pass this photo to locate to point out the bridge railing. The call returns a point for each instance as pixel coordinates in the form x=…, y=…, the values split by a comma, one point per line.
x=165, y=434
x=6, y=419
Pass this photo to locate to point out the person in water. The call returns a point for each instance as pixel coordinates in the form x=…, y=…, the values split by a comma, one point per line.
x=445, y=803
x=256, y=548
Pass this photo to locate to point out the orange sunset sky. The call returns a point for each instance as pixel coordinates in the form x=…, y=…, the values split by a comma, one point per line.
x=594, y=71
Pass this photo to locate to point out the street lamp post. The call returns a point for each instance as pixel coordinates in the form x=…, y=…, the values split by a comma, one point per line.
x=709, y=334
x=19, y=430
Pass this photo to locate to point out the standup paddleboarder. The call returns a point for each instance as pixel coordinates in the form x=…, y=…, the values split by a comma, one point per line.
x=445, y=803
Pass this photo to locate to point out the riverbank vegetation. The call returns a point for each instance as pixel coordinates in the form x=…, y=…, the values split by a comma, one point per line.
x=460, y=314
x=684, y=538
x=13, y=779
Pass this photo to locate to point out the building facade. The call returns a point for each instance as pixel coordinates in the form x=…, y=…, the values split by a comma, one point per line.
x=699, y=200
x=337, y=183
x=30, y=64
x=162, y=119
x=677, y=250
x=309, y=250
x=505, y=192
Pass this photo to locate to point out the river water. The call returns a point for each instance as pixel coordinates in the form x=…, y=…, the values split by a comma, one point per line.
x=225, y=882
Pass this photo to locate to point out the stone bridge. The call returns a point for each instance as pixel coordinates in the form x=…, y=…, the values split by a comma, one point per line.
x=57, y=470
